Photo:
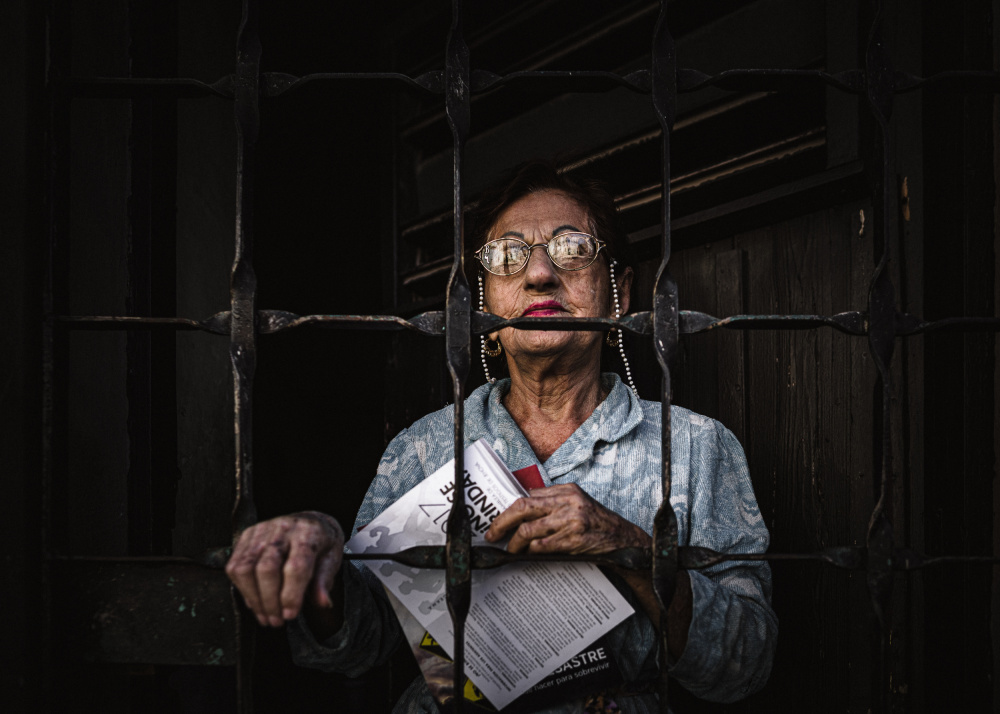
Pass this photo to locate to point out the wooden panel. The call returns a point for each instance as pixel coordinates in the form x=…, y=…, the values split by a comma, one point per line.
x=729, y=287
x=801, y=403
x=156, y=612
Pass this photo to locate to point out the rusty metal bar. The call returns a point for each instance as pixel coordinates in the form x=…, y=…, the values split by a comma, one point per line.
x=665, y=332
x=458, y=586
x=243, y=336
x=882, y=314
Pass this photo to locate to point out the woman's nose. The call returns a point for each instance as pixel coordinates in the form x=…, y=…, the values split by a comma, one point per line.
x=540, y=271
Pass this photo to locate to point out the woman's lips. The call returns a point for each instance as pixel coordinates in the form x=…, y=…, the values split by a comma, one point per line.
x=540, y=309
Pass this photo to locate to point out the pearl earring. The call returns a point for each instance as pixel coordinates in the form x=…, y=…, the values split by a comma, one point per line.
x=483, y=349
x=617, y=342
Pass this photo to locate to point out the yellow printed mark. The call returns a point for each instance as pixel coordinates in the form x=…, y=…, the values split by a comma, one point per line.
x=472, y=693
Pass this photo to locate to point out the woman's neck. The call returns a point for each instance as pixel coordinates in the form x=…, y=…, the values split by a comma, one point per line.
x=550, y=404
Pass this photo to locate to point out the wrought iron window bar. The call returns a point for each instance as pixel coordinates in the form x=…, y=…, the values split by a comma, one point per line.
x=880, y=323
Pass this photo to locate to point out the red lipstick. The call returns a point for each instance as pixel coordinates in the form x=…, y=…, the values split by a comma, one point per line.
x=540, y=309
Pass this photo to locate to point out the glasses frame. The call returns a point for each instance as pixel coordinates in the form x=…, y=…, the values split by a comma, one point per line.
x=600, y=246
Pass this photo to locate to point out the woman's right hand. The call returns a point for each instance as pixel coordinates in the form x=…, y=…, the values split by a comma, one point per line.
x=280, y=564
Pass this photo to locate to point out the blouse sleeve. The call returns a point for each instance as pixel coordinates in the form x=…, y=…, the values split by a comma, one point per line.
x=733, y=630
x=371, y=631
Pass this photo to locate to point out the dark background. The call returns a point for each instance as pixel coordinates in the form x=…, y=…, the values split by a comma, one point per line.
x=352, y=211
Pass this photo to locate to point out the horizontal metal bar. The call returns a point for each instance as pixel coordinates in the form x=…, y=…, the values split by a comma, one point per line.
x=276, y=84
x=562, y=80
x=124, y=87
x=690, y=558
x=217, y=323
x=432, y=323
x=907, y=324
x=428, y=323
x=769, y=80
x=962, y=81
x=853, y=323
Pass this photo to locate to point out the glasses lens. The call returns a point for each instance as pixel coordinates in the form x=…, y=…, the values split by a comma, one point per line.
x=573, y=251
x=505, y=256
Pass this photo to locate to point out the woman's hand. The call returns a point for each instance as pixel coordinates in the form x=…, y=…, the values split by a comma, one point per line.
x=279, y=564
x=564, y=519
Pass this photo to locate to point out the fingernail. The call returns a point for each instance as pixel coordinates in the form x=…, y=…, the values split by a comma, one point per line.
x=262, y=620
x=277, y=622
x=288, y=613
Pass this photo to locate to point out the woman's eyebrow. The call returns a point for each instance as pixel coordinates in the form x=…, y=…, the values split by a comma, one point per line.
x=557, y=231
x=560, y=229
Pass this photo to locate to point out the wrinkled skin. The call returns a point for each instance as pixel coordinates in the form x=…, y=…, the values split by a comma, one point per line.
x=279, y=564
x=564, y=519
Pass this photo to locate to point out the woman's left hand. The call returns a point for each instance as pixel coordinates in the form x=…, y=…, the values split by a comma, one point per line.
x=564, y=519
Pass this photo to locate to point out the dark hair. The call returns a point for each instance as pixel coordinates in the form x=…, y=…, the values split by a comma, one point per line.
x=542, y=175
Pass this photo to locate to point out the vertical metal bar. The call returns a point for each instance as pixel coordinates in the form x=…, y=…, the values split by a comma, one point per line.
x=882, y=315
x=243, y=288
x=665, y=332
x=457, y=336
x=58, y=53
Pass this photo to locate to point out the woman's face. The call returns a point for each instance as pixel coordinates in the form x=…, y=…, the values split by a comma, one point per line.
x=543, y=290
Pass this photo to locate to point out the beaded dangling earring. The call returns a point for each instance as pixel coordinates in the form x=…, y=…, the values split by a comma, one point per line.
x=484, y=350
x=617, y=340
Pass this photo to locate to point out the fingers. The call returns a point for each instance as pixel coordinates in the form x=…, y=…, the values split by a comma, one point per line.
x=269, y=576
x=326, y=572
x=243, y=564
x=523, y=509
x=532, y=534
x=274, y=562
x=562, y=519
x=302, y=566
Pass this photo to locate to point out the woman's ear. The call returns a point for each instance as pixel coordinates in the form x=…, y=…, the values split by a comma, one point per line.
x=625, y=289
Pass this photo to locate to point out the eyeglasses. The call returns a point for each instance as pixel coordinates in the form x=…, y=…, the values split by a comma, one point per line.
x=569, y=251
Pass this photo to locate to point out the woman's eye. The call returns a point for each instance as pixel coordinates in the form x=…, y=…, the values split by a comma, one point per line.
x=513, y=251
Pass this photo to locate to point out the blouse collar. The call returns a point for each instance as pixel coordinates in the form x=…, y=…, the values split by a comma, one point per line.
x=616, y=416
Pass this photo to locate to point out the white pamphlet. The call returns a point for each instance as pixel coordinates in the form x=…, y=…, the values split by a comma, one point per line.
x=526, y=619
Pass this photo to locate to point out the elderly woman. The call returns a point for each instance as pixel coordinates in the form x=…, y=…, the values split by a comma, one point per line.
x=549, y=246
